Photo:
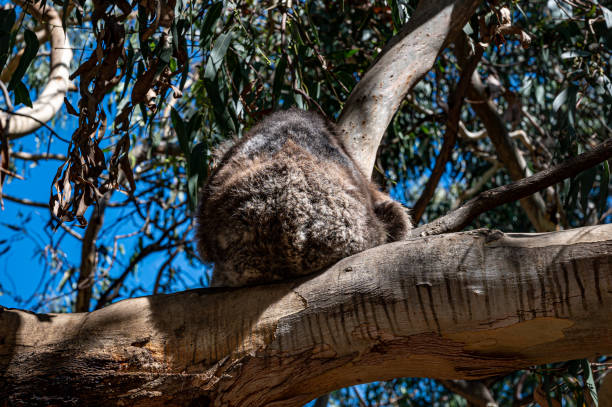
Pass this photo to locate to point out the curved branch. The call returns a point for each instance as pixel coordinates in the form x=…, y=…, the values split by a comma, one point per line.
x=51, y=99
x=404, y=61
x=462, y=216
x=457, y=306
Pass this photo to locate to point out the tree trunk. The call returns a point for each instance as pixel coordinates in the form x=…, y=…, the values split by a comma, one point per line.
x=456, y=306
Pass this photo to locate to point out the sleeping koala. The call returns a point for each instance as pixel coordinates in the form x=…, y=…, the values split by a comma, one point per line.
x=287, y=200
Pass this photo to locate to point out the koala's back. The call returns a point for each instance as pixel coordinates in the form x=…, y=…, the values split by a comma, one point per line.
x=285, y=201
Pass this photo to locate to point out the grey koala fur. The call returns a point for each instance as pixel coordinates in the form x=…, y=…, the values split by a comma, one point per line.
x=287, y=200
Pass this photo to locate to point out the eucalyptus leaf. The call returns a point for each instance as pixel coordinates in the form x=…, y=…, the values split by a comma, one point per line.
x=29, y=53
x=589, y=382
x=181, y=131
x=604, y=185
x=560, y=100
x=279, y=78
x=22, y=95
x=607, y=16
x=208, y=26
x=215, y=59
x=575, y=54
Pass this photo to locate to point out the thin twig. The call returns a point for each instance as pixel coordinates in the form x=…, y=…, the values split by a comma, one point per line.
x=450, y=137
x=7, y=97
x=25, y=201
x=37, y=157
x=37, y=121
x=461, y=217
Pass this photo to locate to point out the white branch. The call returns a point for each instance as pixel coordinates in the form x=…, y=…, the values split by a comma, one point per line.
x=405, y=60
x=51, y=98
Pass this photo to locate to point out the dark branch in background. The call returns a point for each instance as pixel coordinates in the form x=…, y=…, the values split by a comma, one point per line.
x=462, y=216
x=321, y=401
x=87, y=270
x=475, y=392
x=113, y=290
x=162, y=269
x=450, y=137
x=508, y=154
x=25, y=201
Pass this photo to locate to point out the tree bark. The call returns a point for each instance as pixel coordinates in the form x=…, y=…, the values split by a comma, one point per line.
x=404, y=61
x=458, y=306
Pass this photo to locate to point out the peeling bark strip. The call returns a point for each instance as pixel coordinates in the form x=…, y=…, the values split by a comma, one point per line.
x=456, y=306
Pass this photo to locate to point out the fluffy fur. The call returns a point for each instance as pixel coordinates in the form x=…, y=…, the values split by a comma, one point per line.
x=286, y=200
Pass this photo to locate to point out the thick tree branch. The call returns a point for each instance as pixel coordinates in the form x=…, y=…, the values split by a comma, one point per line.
x=404, y=61
x=457, y=306
x=462, y=216
x=51, y=99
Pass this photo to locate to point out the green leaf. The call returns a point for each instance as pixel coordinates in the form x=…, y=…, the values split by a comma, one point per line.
x=208, y=25
x=193, y=125
x=198, y=171
x=21, y=94
x=295, y=33
x=7, y=20
x=396, y=16
x=539, y=94
x=575, y=54
x=570, y=201
x=607, y=16
x=215, y=59
x=604, y=185
x=589, y=382
x=587, y=178
x=279, y=78
x=560, y=100
x=129, y=68
x=181, y=132
x=31, y=49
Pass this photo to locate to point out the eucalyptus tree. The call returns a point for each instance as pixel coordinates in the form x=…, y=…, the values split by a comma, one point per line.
x=487, y=94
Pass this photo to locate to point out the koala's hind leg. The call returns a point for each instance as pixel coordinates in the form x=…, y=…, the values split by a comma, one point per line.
x=394, y=216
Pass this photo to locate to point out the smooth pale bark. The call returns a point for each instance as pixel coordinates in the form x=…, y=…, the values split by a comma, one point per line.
x=51, y=99
x=404, y=61
x=456, y=306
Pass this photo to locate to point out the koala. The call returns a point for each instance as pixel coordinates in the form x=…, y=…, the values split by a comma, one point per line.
x=287, y=200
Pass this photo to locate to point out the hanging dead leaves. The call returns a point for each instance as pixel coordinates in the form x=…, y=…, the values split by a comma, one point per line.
x=86, y=176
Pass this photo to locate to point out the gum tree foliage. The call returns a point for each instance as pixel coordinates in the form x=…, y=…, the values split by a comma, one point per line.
x=159, y=85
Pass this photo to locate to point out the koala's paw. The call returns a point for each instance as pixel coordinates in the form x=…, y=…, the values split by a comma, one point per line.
x=396, y=218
